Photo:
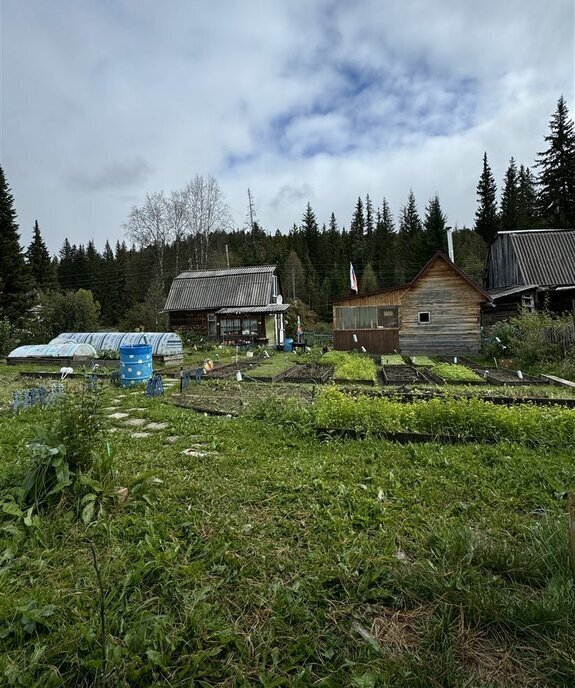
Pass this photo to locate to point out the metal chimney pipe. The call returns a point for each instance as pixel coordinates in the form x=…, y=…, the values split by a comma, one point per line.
x=450, y=244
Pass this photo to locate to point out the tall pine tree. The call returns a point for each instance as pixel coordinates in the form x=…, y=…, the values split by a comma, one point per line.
x=383, y=246
x=357, y=234
x=557, y=171
x=409, y=240
x=15, y=282
x=509, y=213
x=526, y=200
x=434, y=230
x=486, y=220
x=39, y=261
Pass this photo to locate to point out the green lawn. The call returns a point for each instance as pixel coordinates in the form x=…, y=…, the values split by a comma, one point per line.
x=248, y=552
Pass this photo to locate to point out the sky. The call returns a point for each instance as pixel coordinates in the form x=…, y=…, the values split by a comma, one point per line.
x=319, y=101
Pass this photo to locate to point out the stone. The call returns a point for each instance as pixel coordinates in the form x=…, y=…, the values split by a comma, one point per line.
x=172, y=439
x=140, y=435
x=135, y=422
x=157, y=426
x=118, y=415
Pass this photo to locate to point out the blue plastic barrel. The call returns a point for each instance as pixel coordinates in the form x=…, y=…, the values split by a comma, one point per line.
x=288, y=344
x=135, y=364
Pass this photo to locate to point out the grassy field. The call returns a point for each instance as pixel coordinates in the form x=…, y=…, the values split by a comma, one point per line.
x=245, y=551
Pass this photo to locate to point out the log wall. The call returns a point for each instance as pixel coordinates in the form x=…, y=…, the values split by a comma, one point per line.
x=454, y=307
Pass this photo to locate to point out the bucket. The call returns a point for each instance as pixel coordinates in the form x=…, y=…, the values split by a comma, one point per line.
x=135, y=364
x=288, y=344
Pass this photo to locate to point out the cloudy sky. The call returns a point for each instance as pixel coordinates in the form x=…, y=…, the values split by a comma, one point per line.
x=104, y=101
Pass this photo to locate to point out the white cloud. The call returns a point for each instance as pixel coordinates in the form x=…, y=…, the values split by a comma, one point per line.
x=322, y=101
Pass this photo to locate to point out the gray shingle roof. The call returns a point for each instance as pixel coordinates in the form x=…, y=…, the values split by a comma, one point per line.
x=231, y=287
x=545, y=258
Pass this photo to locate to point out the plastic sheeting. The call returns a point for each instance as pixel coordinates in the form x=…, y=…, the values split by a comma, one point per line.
x=67, y=349
x=162, y=343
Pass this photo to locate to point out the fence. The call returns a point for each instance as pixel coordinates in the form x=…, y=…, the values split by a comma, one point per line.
x=561, y=334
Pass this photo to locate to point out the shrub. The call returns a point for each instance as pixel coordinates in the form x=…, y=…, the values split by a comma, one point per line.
x=70, y=455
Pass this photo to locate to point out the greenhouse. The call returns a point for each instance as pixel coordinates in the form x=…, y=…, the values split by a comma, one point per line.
x=164, y=344
x=57, y=350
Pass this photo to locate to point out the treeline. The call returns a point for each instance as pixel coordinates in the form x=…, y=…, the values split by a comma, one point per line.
x=191, y=228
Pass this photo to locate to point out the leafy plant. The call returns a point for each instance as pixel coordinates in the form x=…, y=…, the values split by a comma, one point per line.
x=392, y=360
x=71, y=456
x=455, y=373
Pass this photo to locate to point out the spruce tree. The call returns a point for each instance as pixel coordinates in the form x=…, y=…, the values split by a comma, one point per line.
x=369, y=219
x=382, y=250
x=15, y=281
x=526, y=200
x=486, y=220
x=556, y=165
x=39, y=261
x=368, y=281
x=357, y=234
x=409, y=241
x=434, y=230
x=509, y=213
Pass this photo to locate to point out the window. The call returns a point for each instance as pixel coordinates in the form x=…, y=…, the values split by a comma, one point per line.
x=528, y=303
x=388, y=317
x=211, y=324
x=229, y=327
x=345, y=318
x=424, y=317
x=366, y=317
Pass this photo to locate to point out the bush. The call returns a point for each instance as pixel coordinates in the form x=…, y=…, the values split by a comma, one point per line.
x=533, y=338
x=70, y=456
x=8, y=340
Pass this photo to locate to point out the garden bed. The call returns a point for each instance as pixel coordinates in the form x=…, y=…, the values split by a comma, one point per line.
x=402, y=375
x=309, y=373
x=260, y=376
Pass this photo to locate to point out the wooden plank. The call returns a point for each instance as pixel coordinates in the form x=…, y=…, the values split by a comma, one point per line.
x=559, y=381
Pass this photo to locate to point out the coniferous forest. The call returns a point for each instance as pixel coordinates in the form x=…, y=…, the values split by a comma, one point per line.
x=124, y=285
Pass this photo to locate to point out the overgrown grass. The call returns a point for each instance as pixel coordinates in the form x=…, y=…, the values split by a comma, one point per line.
x=271, y=558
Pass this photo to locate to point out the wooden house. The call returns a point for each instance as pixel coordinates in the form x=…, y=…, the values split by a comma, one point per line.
x=229, y=305
x=438, y=312
x=530, y=270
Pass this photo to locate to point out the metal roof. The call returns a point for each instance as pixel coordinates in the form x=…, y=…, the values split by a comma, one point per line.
x=270, y=308
x=232, y=287
x=545, y=258
x=509, y=291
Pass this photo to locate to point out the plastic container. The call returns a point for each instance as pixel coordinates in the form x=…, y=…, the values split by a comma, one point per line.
x=135, y=364
x=288, y=344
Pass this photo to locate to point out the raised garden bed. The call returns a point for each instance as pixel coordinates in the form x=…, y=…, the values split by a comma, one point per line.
x=448, y=373
x=421, y=361
x=392, y=360
x=504, y=376
x=260, y=375
x=403, y=375
x=309, y=373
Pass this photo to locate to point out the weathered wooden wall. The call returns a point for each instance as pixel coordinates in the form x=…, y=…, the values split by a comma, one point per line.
x=454, y=307
x=190, y=320
x=392, y=297
x=374, y=341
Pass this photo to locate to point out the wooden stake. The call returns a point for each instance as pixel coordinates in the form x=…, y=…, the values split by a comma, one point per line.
x=571, y=529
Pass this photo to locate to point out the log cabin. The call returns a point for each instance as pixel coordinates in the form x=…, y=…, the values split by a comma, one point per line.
x=230, y=305
x=438, y=312
x=530, y=270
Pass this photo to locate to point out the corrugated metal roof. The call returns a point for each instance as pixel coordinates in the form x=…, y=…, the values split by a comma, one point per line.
x=208, y=289
x=545, y=258
x=509, y=291
x=270, y=308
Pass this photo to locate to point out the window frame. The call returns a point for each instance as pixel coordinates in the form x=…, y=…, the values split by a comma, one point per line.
x=424, y=322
